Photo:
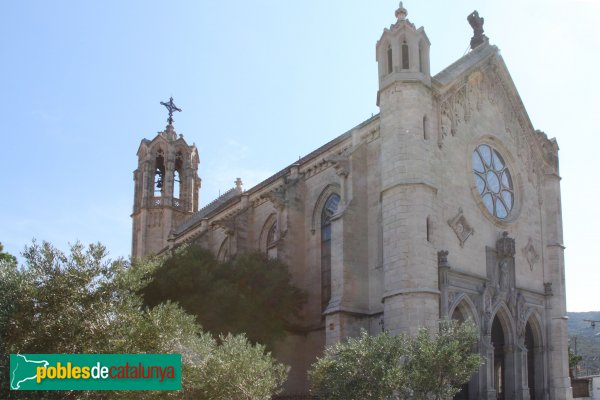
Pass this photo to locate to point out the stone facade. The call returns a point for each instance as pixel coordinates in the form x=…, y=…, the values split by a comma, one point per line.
x=444, y=205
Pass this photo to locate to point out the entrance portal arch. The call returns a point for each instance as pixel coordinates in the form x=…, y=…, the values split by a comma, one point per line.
x=533, y=342
x=501, y=356
x=465, y=310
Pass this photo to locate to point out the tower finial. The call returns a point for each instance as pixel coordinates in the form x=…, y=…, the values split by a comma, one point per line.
x=401, y=13
x=171, y=107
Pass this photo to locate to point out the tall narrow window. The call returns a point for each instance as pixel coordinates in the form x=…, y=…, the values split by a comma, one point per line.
x=404, y=55
x=159, y=174
x=329, y=210
x=390, y=64
x=421, y=61
x=223, y=254
x=425, y=135
x=177, y=175
x=428, y=228
x=272, y=241
x=176, y=185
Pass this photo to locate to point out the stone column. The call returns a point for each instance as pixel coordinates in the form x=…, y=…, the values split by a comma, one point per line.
x=443, y=283
x=523, y=372
x=349, y=305
x=554, y=273
x=486, y=371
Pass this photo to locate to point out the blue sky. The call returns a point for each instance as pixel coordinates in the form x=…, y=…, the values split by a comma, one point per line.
x=81, y=83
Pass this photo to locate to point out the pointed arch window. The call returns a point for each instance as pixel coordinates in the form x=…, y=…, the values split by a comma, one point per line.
x=223, y=254
x=390, y=65
x=177, y=175
x=159, y=173
x=421, y=57
x=272, y=241
x=404, y=55
x=329, y=210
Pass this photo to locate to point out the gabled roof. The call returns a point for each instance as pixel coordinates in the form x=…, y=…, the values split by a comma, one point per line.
x=232, y=195
x=207, y=210
x=461, y=68
x=464, y=64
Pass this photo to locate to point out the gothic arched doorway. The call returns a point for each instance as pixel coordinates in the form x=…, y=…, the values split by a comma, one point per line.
x=498, y=341
x=530, y=346
x=463, y=312
x=459, y=316
x=533, y=342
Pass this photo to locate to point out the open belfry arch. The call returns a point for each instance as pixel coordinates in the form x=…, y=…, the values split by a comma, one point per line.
x=445, y=205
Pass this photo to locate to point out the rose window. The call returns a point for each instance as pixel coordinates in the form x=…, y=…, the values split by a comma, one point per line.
x=493, y=181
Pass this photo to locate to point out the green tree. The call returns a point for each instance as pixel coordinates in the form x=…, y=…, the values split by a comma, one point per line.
x=574, y=360
x=387, y=367
x=10, y=284
x=366, y=367
x=250, y=294
x=438, y=365
x=232, y=369
x=81, y=302
x=7, y=257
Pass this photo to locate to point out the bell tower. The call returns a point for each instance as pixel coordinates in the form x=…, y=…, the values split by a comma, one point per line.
x=166, y=187
x=408, y=118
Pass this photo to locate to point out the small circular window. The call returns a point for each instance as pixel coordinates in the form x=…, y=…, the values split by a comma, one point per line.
x=493, y=181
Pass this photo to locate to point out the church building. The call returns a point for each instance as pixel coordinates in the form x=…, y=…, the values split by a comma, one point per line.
x=444, y=205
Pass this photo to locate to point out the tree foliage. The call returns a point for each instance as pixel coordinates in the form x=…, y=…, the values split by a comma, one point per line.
x=231, y=370
x=7, y=257
x=438, y=365
x=367, y=367
x=250, y=294
x=386, y=367
x=81, y=302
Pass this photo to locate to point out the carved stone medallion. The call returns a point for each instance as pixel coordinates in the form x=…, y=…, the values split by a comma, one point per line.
x=461, y=227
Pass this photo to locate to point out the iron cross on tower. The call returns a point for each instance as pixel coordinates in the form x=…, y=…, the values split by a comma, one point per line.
x=171, y=107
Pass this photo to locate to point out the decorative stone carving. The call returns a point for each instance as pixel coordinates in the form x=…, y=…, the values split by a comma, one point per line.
x=503, y=276
x=486, y=296
x=446, y=121
x=461, y=227
x=373, y=134
x=443, y=258
x=548, y=289
x=276, y=197
x=488, y=84
x=279, y=196
x=505, y=246
x=549, y=150
x=227, y=223
x=530, y=254
x=452, y=296
x=443, y=282
x=476, y=23
x=341, y=163
x=521, y=317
